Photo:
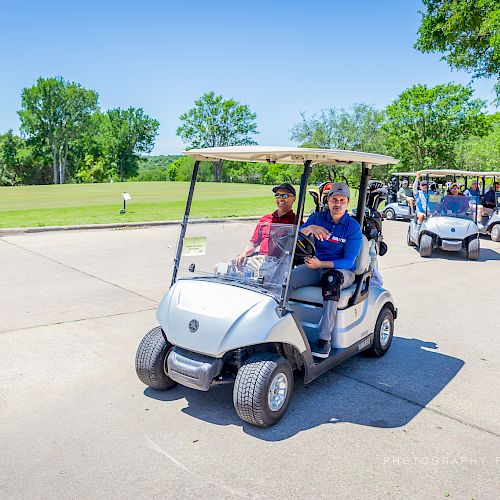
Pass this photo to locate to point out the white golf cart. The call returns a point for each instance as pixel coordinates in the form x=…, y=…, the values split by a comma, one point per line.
x=397, y=208
x=220, y=321
x=490, y=224
x=449, y=221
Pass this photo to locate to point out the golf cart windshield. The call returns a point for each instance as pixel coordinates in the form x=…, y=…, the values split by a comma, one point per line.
x=210, y=251
x=440, y=201
x=449, y=206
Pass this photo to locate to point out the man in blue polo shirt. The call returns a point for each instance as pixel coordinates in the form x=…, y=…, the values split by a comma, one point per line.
x=338, y=240
x=422, y=198
x=474, y=198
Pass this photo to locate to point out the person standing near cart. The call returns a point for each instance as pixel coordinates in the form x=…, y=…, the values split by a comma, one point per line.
x=338, y=240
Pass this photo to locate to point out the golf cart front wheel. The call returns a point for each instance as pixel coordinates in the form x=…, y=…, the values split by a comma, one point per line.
x=383, y=333
x=495, y=232
x=263, y=388
x=390, y=214
x=473, y=249
x=151, y=360
x=425, y=247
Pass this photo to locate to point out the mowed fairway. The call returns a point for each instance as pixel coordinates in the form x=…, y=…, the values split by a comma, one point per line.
x=74, y=204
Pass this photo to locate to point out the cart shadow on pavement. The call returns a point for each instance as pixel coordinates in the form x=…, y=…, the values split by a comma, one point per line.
x=488, y=254
x=387, y=392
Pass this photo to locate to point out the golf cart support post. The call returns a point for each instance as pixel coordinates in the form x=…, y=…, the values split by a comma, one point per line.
x=185, y=219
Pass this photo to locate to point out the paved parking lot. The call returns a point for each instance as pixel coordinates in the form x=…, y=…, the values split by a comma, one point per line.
x=75, y=422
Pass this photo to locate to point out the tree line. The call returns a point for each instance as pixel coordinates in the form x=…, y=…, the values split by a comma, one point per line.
x=436, y=127
x=66, y=137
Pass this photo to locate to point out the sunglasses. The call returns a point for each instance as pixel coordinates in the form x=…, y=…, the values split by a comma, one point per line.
x=454, y=187
x=282, y=195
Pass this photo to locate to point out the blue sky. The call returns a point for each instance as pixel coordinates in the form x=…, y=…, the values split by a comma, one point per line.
x=279, y=57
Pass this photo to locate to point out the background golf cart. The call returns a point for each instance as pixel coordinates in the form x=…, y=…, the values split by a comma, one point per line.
x=449, y=222
x=395, y=207
x=217, y=321
x=490, y=224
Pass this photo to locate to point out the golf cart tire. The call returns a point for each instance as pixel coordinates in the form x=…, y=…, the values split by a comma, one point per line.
x=473, y=249
x=151, y=359
x=252, y=385
x=380, y=346
x=390, y=214
x=495, y=232
x=409, y=242
x=425, y=246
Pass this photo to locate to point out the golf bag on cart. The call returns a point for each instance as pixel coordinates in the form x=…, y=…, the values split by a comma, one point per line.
x=375, y=195
x=320, y=195
x=392, y=190
x=372, y=222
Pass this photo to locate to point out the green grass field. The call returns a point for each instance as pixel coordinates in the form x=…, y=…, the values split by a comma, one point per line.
x=74, y=204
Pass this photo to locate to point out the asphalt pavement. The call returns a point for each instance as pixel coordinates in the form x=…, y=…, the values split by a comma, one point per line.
x=76, y=422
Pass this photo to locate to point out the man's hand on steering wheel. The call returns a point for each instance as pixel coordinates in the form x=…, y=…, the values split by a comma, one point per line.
x=319, y=232
x=305, y=244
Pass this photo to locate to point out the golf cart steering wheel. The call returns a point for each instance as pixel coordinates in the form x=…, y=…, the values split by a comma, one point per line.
x=304, y=248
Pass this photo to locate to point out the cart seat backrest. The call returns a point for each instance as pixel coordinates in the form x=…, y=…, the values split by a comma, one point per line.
x=363, y=258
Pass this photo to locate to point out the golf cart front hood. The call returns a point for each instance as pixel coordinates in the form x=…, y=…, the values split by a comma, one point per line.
x=452, y=228
x=212, y=318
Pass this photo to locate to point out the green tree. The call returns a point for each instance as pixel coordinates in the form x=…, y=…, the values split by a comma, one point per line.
x=53, y=114
x=9, y=146
x=467, y=32
x=93, y=169
x=19, y=163
x=215, y=122
x=423, y=125
x=126, y=134
x=359, y=129
x=481, y=153
x=355, y=129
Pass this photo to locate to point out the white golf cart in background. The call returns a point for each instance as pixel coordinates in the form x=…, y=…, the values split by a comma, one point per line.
x=449, y=222
x=220, y=321
x=397, y=208
x=490, y=224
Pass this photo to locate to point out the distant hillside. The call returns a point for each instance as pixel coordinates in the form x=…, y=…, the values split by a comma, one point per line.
x=160, y=161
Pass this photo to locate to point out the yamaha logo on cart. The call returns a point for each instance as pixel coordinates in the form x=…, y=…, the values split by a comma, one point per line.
x=193, y=325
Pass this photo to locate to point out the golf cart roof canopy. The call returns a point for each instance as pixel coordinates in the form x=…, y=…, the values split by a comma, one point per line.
x=274, y=154
x=458, y=173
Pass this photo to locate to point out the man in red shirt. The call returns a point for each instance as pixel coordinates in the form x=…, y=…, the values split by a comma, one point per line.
x=285, y=197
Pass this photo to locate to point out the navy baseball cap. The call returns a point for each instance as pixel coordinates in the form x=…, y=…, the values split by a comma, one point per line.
x=285, y=187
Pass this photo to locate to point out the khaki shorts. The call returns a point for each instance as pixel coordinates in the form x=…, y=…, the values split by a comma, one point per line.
x=261, y=264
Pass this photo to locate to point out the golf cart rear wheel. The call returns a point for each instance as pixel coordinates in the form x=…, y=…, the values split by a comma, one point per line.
x=495, y=232
x=390, y=214
x=383, y=333
x=409, y=242
x=263, y=388
x=473, y=249
x=425, y=247
x=151, y=360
